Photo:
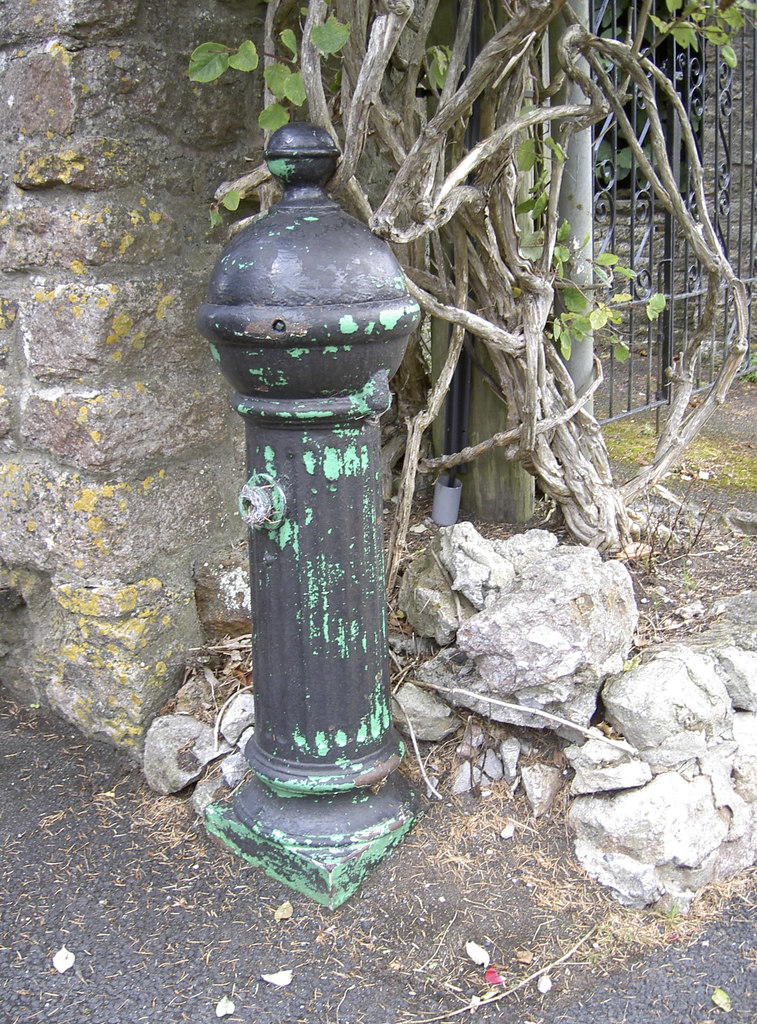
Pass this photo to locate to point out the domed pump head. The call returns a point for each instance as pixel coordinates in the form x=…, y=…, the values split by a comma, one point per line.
x=303, y=157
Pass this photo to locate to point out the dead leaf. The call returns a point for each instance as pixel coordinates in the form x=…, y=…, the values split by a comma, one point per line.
x=524, y=956
x=284, y=912
x=722, y=1000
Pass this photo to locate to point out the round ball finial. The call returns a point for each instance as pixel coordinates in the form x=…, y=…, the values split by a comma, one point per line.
x=302, y=154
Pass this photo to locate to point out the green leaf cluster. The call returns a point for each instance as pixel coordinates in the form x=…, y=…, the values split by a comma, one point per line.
x=283, y=77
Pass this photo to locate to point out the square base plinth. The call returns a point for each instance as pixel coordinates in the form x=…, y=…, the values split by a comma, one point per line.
x=315, y=845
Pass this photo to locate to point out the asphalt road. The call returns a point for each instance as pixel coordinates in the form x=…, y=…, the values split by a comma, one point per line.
x=164, y=924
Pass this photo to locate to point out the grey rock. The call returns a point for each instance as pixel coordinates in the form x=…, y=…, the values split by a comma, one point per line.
x=426, y=598
x=238, y=715
x=643, y=842
x=244, y=738
x=177, y=748
x=670, y=706
x=524, y=548
x=601, y=768
x=476, y=569
x=542, y=783
x=742, y=522
x=429, y=716
x=234, y=768
x=491, y=766
x=738, y=670
x=745, y=761
x=566, y=622
x=206, y=792
x=467, y=778
x=509, y=752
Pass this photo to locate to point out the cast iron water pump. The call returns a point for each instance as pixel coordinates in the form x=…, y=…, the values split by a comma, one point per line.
x=308, y=315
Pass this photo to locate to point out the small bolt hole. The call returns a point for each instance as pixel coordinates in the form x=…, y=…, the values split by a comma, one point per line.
x=279, y=325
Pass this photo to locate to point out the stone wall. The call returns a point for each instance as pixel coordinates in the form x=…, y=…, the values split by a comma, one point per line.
x=120, y=459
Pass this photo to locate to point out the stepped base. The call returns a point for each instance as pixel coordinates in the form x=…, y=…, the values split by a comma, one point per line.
x=322, y=846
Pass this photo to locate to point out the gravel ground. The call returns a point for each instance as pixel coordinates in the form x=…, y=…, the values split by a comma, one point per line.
x=164, y=923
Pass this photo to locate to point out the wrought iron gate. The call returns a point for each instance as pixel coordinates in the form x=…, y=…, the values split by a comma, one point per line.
x=722, y=105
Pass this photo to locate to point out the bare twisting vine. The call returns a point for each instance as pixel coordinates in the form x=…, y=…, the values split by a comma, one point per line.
x=395, y=84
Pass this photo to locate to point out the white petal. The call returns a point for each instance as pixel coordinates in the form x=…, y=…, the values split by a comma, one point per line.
x=63, y=959
x=477, y=954
x=280, y=978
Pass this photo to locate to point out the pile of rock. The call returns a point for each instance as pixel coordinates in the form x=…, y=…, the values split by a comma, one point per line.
x=530, y=627
x=181, y=750
x=536, y=634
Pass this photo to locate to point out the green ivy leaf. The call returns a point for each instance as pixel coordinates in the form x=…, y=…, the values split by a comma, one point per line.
x=729, y=56
x=607, y=259
x=215, y=218
x=556, y=148
x=655, y=305
x=276, y=76
x=289, y=39
x=622, y=297
x=685, y=35
x=208, y=62
x=231, y=200
x=273, y=117
x=294, y=89
x=562, y=253
x=540, y=205
x=563, y=232
x=598, y=318
x=246, y=57
x=526, y=154
x=574, y=300
x=438, y=65
x=331, y=36
x=621, y=352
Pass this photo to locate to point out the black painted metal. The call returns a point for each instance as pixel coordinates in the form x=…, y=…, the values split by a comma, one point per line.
x=308, y=315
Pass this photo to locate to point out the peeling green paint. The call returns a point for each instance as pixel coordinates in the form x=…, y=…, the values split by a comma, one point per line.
x=282, y=168
x=347, y=325
x=389, y=318
x=215, y=353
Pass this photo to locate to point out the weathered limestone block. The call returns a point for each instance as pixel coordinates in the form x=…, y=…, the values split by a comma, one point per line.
x=101, y=328
x=670, y=706
x=601, y=768
x=542, y=783
x=222, y=594
x=177, y=748
x=55, y=519
x=426, y=598
x=106, y=430
x=648, y=842
x=83, y=163
x=476, y=570
x=38, y=234
x=238, y=716
x=119, y=655
x=430, y=717
x=88, y=19
x=548, y=642
x=38, y=91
